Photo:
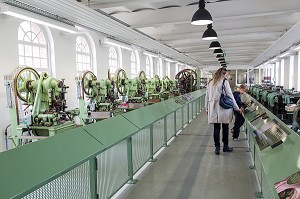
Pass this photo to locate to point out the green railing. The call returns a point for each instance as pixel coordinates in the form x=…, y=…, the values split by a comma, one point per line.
x=95, y=161
x=272, y=164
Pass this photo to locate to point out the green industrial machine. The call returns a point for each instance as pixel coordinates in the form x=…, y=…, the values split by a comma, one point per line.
x=132, y=91
x=38, y=108
x=97, y=99
x=169, y=88
x=153, y=89
x=187, y=81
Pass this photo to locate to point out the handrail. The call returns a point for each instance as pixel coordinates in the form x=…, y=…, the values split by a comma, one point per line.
x=273, y=164
x=95, y=161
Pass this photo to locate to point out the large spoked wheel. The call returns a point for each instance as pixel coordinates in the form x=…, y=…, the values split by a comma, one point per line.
x=22, y=82
x=121, y=78
x=187, y=80
x=87, y=79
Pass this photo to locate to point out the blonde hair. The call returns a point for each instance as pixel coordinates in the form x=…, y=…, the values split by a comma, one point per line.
x=218, y=75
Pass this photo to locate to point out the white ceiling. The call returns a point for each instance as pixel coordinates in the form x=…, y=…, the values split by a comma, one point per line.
x=246, y=28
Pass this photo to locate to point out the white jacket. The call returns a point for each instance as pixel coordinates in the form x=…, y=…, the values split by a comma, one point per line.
x=217, y=114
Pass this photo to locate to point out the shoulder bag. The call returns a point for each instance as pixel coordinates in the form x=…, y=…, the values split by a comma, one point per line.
x=225, y=102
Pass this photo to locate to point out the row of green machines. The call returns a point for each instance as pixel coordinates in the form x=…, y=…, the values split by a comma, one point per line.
x=38, y=106
x=284, y=103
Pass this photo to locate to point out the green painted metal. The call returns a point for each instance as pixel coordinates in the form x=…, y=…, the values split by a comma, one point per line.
x=110, y=132
x=32, y=167
x=274, y=164
x=27, y=167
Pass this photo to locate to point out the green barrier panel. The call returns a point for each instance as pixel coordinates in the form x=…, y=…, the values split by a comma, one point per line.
x=273, y=164
x=35, y=164
x=93, y=161
x=111, y=131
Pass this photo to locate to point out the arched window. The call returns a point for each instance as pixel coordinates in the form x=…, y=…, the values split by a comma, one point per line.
x=168, y=70
x=133, y=65
x=83, y=55
x=33, y=47
x=113, y=60
x=159, y=68
x=148, y=67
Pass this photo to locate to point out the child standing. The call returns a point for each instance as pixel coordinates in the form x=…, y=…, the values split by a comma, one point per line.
x=239, y=119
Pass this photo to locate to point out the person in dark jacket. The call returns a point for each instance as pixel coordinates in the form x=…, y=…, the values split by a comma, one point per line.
x=239, y=119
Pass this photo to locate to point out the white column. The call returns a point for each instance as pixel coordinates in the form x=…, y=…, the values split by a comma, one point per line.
x=297, y=65
x=286, y=72
x=296, y=71
x=259, y=76
x=281, y=74
x=248, y=77
x=272, y=73
x=291, y=71
x=277, y=71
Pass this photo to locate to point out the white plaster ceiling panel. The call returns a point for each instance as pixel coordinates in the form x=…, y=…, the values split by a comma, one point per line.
x=245, y=28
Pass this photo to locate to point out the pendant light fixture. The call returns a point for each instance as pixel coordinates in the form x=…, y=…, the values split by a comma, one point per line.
x=215, y=45
x=220, y=56
x=201, y=16
x=218, y=51
x=209, y=34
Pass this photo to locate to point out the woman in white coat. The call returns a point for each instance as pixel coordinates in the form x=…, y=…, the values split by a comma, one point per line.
x=216, y=114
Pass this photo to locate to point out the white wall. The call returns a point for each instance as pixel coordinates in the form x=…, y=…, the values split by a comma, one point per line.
x=9, y=59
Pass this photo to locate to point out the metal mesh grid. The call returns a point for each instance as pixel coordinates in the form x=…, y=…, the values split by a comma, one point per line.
x=258, y=164
x=112, y=170
x=73, y=185
x=251, y=143
x=170, y=126
x=266, y=189
x=190, y=107
x=158, y=135
x=140, y=148
x=199, y=104
x=178, y=119
x=185, y=114
x=195, y=105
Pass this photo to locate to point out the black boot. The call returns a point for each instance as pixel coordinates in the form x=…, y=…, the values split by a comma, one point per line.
x=217, y=151
x=227, y=149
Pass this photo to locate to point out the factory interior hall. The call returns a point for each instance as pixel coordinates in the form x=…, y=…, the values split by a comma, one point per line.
x=160, y=99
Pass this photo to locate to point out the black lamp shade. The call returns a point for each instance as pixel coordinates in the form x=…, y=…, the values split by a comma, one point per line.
x=218, y=51
x=209, y=34
x=223, y=62
x=220, y=56
x=215, y=45
x=201, y=16
x=221, y=59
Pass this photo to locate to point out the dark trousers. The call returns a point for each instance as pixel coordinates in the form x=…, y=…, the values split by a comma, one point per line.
x=225, y=130
x=239, y=121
